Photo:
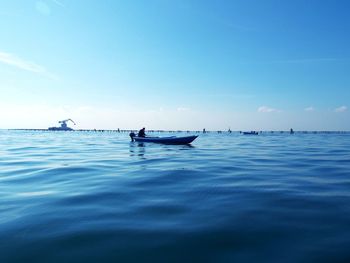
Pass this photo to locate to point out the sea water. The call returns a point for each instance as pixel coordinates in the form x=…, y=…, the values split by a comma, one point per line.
x=97, y=197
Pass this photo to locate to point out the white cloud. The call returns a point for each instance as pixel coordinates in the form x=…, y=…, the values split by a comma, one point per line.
x=341, y=109
x=309, y=108
x=13, y=60
x=267, y=109
x=182, y=109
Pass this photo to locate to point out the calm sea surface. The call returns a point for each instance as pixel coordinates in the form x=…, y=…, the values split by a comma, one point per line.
x=94, y=197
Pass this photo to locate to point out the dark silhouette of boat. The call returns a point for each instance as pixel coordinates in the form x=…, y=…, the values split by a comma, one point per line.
x=63, y=127
x=251, y=133
x=164, y=140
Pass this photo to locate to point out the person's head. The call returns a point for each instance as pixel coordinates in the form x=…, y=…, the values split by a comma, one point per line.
x=143, y=128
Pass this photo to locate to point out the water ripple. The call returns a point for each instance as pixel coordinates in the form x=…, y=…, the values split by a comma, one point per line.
x=98, y=197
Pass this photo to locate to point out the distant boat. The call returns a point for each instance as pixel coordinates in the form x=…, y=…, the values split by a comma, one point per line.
x=60, y=129
x=251, y=133
x=164, y=140
x=63, y=127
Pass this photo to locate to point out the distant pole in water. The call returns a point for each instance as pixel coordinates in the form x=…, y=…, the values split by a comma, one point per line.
x=291, y=131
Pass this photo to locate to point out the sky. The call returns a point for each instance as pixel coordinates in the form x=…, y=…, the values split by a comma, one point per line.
x=175, y=65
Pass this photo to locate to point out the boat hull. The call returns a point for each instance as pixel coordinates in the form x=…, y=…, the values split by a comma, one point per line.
x=250, y=133
x=167, y=140
x=60, y=129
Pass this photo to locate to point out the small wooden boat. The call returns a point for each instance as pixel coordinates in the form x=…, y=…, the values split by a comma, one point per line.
x=251, y=133
x=164, y=140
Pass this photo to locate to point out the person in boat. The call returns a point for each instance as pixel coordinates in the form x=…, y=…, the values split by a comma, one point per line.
x=142, y=133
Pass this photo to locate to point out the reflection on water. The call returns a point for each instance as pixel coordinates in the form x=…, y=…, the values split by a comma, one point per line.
x=137, y=148
x=140, y=149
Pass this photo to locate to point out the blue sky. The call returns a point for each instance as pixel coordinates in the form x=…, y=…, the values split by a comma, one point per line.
x=244, y=65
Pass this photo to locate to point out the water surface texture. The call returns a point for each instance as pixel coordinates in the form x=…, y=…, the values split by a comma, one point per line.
x=94, y=197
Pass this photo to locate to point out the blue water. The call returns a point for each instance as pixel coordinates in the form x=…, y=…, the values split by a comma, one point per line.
x=97, y=197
